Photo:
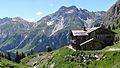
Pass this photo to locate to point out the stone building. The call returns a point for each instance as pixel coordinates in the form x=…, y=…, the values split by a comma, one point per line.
x=91, y=39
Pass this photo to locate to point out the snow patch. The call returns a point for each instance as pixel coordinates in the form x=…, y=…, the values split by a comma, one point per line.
x=89, y=22
x=58, y=26
x=26, y=36
x=43, y=31
x=70, y=11
x=40, y=40
x=22, y=41
x=52, y=43
x=50, y=23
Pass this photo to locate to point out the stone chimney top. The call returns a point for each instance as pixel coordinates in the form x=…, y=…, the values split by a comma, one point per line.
x=102, y=25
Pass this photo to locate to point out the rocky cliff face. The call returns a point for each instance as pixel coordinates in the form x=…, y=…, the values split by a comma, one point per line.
x=113, y=14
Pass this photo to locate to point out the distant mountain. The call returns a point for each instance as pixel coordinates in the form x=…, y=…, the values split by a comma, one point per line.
x=17, y=34
x=11, y=26
x=70, y=17
x=54, y=28
x=13, y=31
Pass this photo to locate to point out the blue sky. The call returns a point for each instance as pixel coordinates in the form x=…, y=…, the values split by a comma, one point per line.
x=33, y=10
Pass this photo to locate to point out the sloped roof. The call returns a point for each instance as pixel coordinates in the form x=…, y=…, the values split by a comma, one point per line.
x=79, y=33
x=92, y=29
x=85, y=33
x=82, y=32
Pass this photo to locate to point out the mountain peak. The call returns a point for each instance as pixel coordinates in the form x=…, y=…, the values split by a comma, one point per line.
x=68, y=8
x=7, y=19
x=63, y=7
x=73, y=7
x=18, y=19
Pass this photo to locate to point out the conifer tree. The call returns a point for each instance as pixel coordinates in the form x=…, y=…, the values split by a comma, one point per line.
x=113, y=27
x=17, y=58
x=31, y=52
x=8, y=56
x=2, y=55
x=117, y=22
x=49, y=49
x=22, y=55
x=5, y=56
x=109, y=27
x=119, y=25
x=28, y=54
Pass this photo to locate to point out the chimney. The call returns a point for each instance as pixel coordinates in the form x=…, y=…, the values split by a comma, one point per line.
x=102, y=25
x=84, y=28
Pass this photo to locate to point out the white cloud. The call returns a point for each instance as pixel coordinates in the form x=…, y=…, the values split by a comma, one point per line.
x=30, y=19
x=39, y=13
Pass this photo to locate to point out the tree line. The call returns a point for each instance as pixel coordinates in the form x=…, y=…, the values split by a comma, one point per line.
x=19, y=56
x=114, y=26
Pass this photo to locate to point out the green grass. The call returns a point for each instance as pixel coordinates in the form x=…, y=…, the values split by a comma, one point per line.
x=116, y=45
x=4, y=63
x=109, y=61
x=61, y=59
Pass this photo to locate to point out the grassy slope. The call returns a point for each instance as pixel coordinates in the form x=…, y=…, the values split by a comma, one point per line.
x=67, y=58
x=112, y=58
x=4, y=63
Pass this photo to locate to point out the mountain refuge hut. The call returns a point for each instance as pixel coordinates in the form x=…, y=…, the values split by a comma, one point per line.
x=95, y=38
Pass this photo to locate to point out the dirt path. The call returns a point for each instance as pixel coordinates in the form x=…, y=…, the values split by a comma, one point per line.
x=113, y=49
x=71, y=47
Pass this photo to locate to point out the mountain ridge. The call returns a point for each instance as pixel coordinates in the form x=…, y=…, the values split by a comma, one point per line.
x=51, y=30
x=112, y=14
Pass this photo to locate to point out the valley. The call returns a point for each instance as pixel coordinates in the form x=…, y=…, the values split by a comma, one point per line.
x=46, y=42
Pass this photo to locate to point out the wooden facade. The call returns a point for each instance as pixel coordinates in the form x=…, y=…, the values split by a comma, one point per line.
x=91, y=39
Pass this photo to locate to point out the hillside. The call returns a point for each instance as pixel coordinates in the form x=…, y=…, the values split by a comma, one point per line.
x=67, y=58
x=12, y=33
x=4, y=63
x=113, y=14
